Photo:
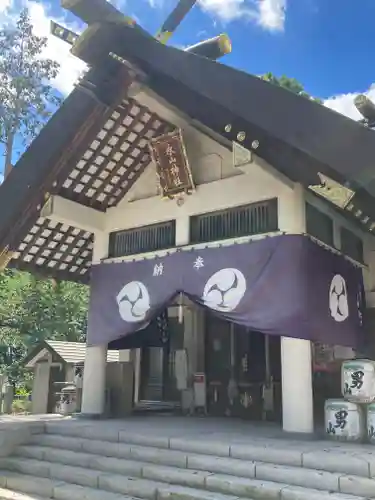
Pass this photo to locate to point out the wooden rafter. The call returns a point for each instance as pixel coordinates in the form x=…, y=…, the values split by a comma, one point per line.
x=59, y=249
x=111, y=162
x=115, y=158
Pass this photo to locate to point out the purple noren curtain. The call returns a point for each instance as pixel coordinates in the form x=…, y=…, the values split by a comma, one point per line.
x=285, y=285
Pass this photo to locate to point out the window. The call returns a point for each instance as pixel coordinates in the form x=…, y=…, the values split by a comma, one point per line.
x=246, y=220
x=319, y=225
x=142, y=239
x=351, y=245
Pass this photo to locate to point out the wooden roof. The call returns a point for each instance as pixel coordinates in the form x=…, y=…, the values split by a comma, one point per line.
x=115, y=158
x=95, y=147
x=67, y=352
x=97, y=172
x=56, y=250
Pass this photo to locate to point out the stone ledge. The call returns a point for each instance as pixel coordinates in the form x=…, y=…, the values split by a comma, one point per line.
x=14, y=435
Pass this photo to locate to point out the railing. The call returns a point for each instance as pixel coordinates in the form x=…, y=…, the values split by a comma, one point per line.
x=246, y=220
x=143, y=239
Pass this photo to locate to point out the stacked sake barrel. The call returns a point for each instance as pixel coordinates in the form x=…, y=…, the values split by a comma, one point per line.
x=353, y=418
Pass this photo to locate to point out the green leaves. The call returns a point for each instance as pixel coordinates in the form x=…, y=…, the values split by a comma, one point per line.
x=32, y=310
x=290, y=84
x=26, y=97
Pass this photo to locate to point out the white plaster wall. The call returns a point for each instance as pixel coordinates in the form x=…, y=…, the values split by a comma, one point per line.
x=208, y=160
x=257, y=185
x=219, y=184
x=124, y=356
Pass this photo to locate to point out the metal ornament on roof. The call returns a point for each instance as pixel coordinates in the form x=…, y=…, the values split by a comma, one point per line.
x=174, y=175
x=63, y=33
x=100, y=11
x=367, y=109
x=241, y=136
x=241, y=155
x=333, y=191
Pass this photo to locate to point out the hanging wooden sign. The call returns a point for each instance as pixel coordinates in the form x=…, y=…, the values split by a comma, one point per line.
x=172, y=166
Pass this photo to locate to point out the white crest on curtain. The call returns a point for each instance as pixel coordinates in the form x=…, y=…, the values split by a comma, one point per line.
x=338, y=299
x=133, y=302
x=224, y=290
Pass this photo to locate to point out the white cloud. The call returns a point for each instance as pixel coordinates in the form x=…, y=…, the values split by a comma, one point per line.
x=119, y=4
x=344, y=103
x=5, y=5
x=270, y=14
x=228, y=10
x=156, y=4
x=70, y=67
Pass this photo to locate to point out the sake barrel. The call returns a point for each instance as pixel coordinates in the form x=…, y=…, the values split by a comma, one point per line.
x=344, y=420
x=358, y=380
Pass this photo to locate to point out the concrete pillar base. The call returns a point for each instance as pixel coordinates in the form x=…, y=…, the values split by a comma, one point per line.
x=89, y=416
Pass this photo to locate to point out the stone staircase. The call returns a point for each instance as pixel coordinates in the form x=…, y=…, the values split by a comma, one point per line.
x=97, y=462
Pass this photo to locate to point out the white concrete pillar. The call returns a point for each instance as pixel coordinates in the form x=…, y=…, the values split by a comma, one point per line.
x=183, y=238
x=182, y=230
x=296, y=365
x=94, y=379
x=94, y=375
x=296, y=376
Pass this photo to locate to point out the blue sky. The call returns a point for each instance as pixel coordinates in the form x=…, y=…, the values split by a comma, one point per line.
x=326, y=44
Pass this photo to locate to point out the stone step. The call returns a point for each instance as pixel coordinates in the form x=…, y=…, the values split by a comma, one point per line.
x=118, y=450
x=320, y=470
x=155, y=480
x=195, y=472
x=25, y=487
x=59, y=490
x=330, y=457
x=119, y=485
x=13, y=495
x=208, y=463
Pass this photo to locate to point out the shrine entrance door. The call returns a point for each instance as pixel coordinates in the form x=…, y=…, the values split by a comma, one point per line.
x=243, y=371
x=158, y=380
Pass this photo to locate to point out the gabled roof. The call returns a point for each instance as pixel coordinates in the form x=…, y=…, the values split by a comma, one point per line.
x=89, y=153
x=75, y=352
x=67, y=352
x=95, y=147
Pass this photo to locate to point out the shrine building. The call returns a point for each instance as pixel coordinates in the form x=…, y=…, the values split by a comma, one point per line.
x=223, y=224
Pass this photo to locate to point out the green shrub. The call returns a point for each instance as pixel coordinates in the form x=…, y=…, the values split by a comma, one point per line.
x=20, y=406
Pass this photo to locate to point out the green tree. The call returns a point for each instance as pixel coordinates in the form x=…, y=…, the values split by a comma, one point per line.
x=26, y=97
x=290, y=84
x=32, y=310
